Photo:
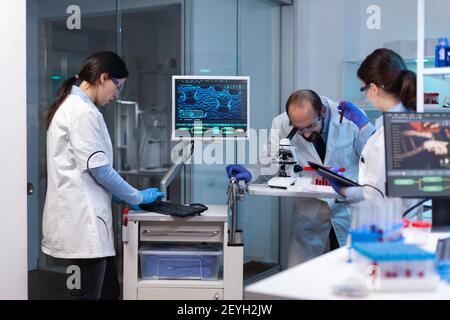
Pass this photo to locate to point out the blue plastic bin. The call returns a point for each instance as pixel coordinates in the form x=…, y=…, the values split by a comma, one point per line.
x=174, y=261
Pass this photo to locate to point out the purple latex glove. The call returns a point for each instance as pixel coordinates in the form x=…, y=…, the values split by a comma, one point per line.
x=353, y=113
x=239, y=172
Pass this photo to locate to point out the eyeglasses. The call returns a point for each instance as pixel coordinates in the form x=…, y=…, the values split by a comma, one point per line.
x=312, y=126
x=119, y=87
x=364, y=88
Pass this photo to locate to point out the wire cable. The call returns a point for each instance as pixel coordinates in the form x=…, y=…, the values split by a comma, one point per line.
x=368, y=185
x=414, y=206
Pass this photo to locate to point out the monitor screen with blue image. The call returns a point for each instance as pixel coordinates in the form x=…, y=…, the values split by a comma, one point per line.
x=210, y=107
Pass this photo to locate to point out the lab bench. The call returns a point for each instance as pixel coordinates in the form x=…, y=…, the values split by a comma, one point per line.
x=314, y=280
x=322, y=192
x=210, y=227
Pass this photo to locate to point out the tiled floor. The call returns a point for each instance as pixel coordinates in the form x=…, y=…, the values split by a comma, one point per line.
x=46, y=285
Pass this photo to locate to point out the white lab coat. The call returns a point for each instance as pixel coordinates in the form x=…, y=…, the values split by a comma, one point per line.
x=77, y=220
x=313, y=217
x=372, y=165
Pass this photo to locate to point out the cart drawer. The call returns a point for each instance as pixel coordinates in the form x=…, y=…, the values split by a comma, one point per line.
x=179, y=294
x=183, y=232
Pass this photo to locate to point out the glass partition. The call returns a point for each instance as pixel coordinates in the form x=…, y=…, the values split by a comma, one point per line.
x=60, y=36
x=224, y=42
x=157, y=39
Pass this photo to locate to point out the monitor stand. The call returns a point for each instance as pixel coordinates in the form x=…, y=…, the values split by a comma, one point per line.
x=441, y=215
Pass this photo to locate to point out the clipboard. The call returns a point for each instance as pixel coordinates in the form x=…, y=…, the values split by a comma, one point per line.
x=332, y=175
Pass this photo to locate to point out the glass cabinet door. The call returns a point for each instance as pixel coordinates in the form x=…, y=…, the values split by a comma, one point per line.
x=60, y=35
x=147, y=34
x=221, y=40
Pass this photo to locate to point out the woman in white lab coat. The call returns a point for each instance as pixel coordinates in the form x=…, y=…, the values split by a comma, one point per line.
x=77, y=219
x=390, y=87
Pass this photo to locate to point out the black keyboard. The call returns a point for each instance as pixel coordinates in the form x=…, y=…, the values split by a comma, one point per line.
x=174, y=209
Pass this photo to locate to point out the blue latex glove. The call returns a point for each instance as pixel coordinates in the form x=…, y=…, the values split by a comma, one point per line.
x=337, y=187
x=135, y=208
x=151, y=194
x=239, y=172
x=353, y=113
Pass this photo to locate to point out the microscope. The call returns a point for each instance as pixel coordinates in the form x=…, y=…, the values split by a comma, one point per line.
x=288, y=162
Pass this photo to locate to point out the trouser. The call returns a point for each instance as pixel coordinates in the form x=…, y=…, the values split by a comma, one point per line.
x=99, y=279
x=334, y=243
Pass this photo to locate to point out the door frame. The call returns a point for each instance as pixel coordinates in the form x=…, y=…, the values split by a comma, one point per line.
x=13, y=140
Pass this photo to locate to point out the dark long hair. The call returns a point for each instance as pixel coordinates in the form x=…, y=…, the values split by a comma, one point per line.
x=91, y=70
x=386, y=69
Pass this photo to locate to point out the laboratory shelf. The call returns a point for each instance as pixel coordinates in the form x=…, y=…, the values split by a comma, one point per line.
x=436, y=71
x=411, y=61
x=435, y=108
x=425, y=65
x=443, y=77
x=427, y=107
x=143, y=172
x=180, y=284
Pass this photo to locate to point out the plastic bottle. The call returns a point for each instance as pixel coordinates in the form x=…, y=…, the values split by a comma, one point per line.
x=441, y=53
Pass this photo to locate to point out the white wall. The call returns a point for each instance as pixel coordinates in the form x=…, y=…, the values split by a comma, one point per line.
x=319, y=47
x=333, y=31
x=399, y=22
x=13, y=227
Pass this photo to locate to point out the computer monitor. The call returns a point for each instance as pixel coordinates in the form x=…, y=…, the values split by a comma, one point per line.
x=418, y=159
x=210, y=108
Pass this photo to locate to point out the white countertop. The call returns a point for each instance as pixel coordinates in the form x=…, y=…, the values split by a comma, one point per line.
x=314, y=280
x=214, y=213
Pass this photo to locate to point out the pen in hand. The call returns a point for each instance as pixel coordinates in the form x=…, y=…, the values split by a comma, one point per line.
x=342, y=111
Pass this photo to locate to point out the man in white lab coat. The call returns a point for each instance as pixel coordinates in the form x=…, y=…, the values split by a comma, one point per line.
x=321, y=138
